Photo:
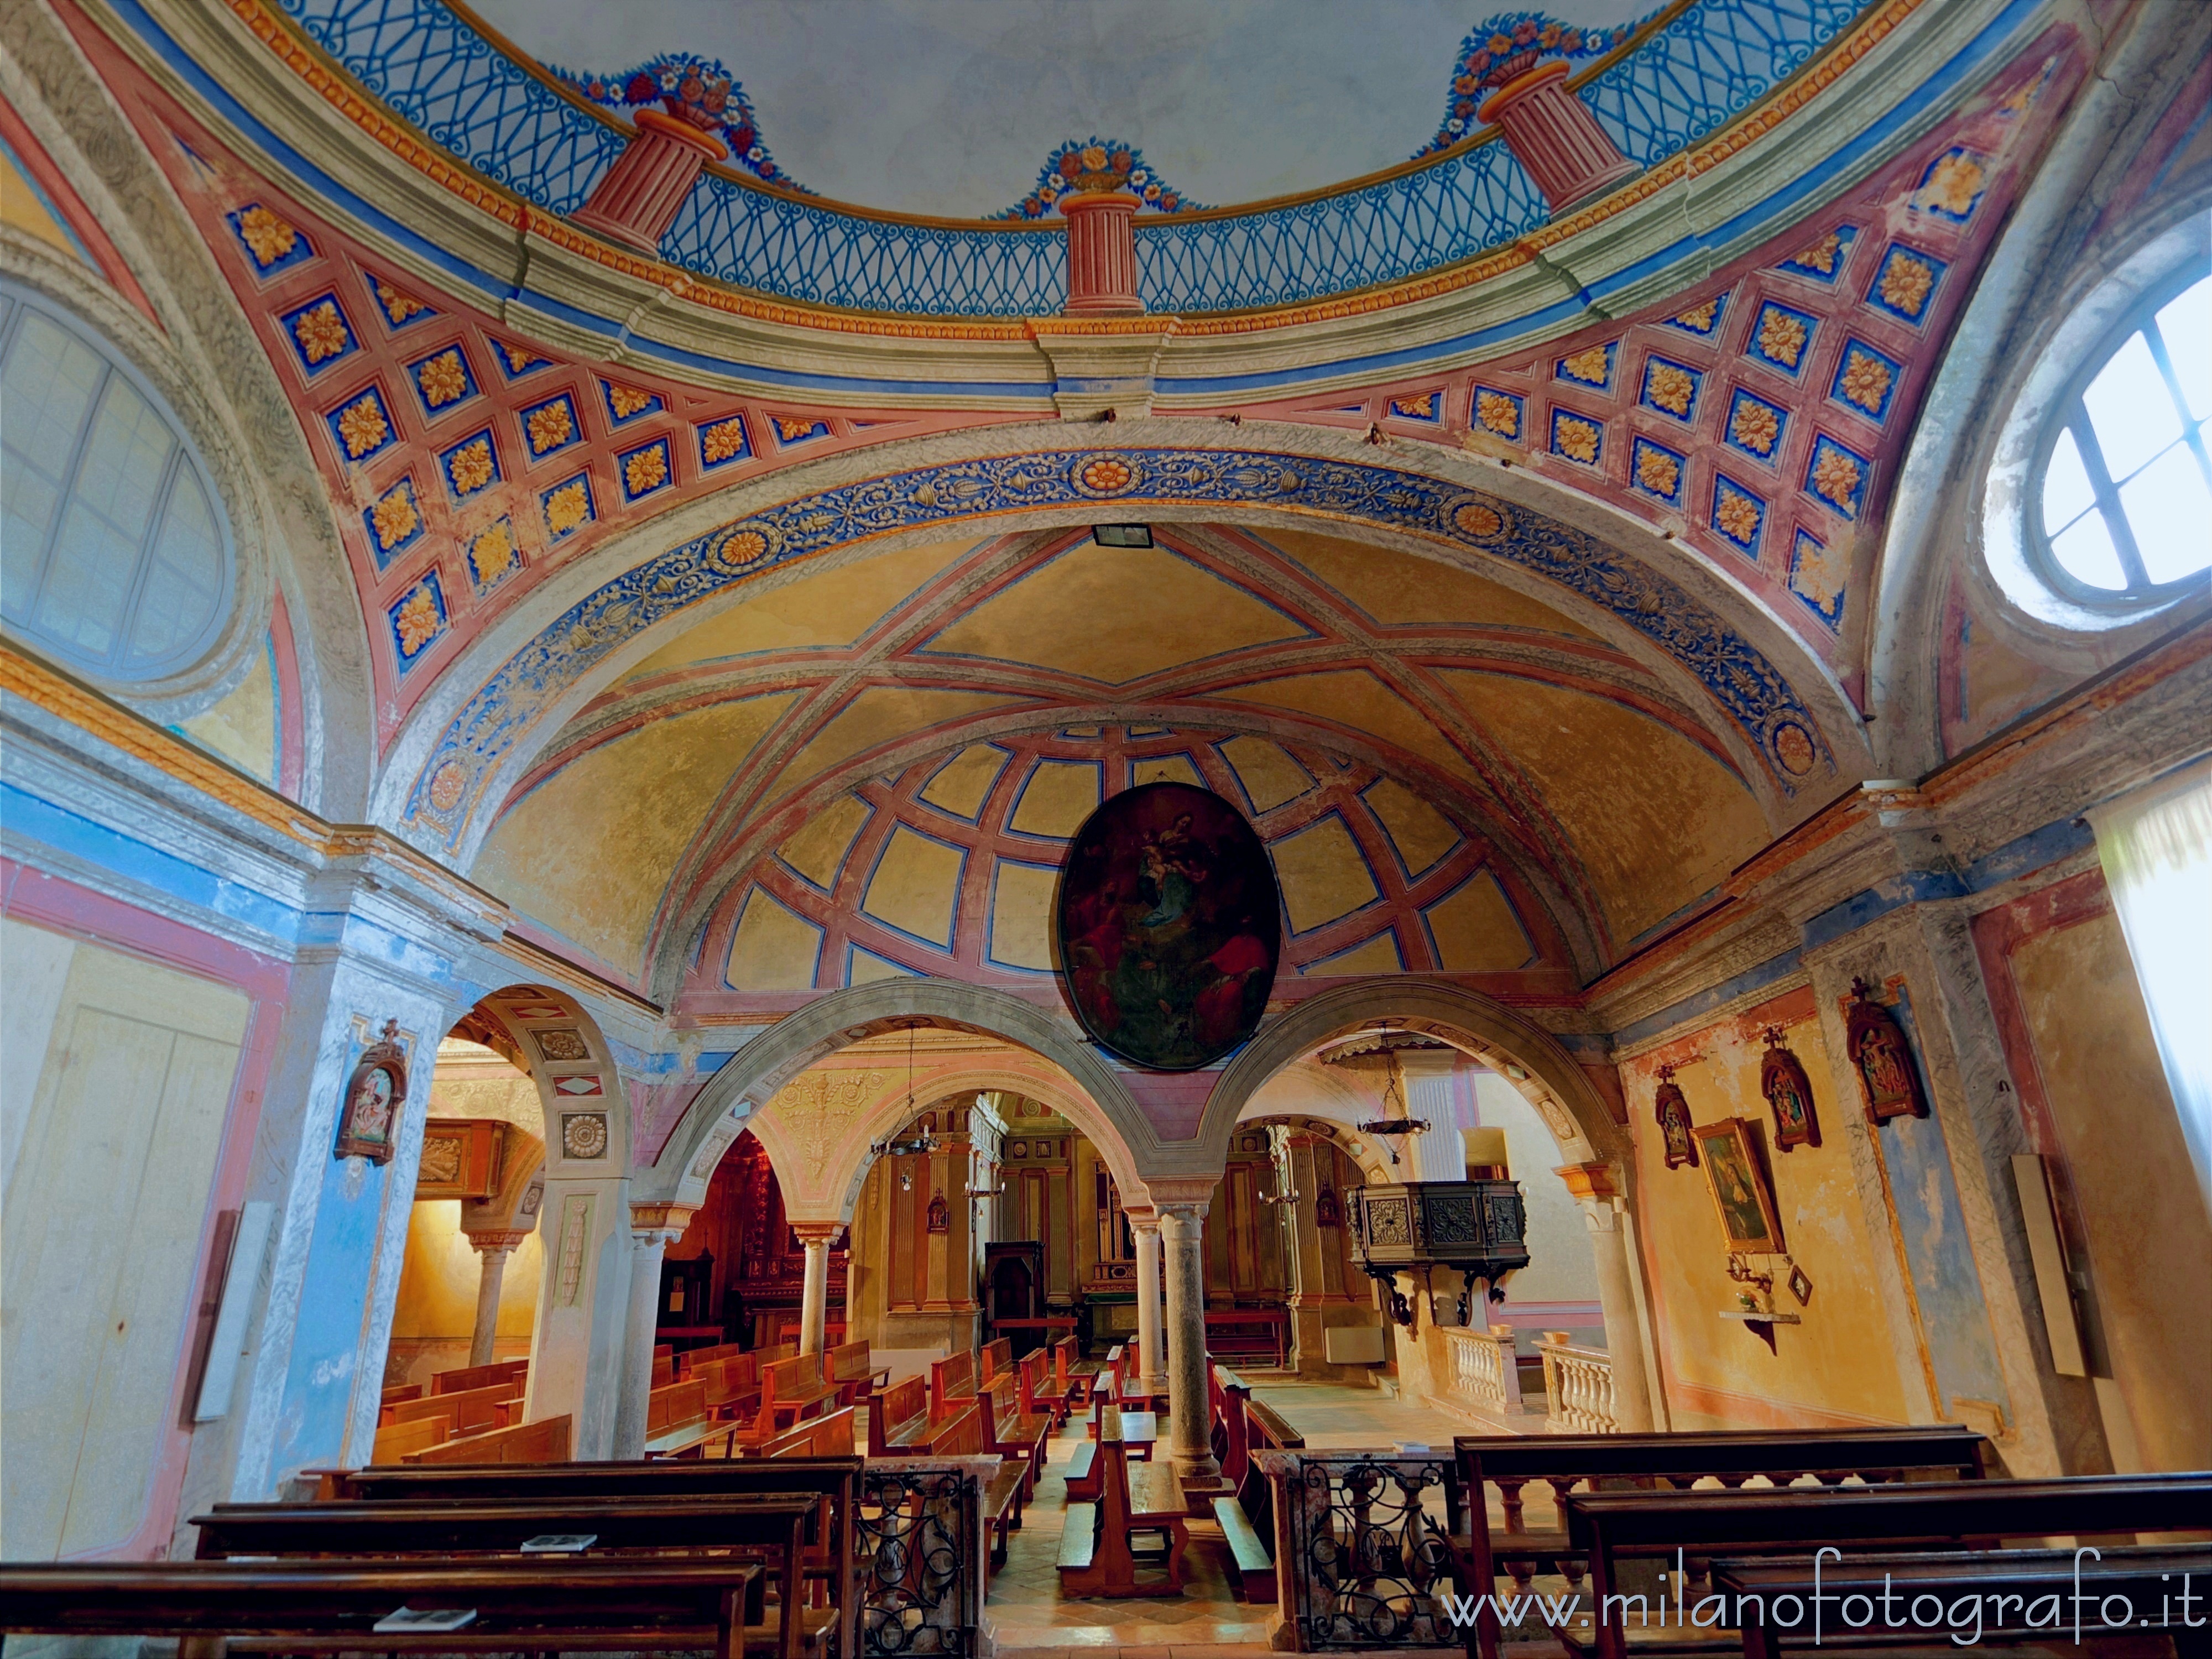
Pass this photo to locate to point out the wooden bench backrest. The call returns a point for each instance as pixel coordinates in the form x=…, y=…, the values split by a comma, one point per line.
x=1034, y=1374
x=400, y=1391
x=951, y=1378
x=1064, y=1353
x=961, y=1435
x=894, y=1408
x=399, y=1441
x=674, y=1405
x=663, y=1369
x=788, y=1377
x=467, y=1377
x=1004, y=1397
x=848, y=1363
x=1267, y=1428
x=768, y=1356
x=727, y=1381
x=694, y=1359
x=1234, y=1433
x=467, y=1411
x=546, y=1441
x=820, y=1437
x=998, y=1358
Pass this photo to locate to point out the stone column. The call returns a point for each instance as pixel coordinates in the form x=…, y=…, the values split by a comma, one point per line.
x=491, y=1270
x=1598, y=1193
x=1182, y=1231
x=636, y=200
x=1144, y=1228
x=814, y=1299
x=653, y=1228
x=1101, y=253
x=1552, y=134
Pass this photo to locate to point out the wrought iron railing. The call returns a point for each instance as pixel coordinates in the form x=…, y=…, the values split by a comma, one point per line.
x=920, y=1536
x=1367, y=1552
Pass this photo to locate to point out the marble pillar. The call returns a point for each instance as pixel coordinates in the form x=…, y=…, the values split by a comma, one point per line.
x=492, y=1250
x=1144, y=1229
x=1182, y=1235
x=1597, y=1191
x=815, y=1237
x=653, y=1228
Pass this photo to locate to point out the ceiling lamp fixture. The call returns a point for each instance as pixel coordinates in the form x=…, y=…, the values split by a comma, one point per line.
x=1391, y=1128
x=1122, y=535
x=918, y=1147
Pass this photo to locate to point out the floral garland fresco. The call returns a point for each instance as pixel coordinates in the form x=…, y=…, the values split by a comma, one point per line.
x=694, y=89
x=1097, y=165
x=1503, y=48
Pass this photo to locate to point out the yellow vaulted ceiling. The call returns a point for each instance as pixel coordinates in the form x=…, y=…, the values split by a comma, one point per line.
x=1357, y=699
x=884, y=715
x=1398, y=587
x=1115, y=615
x=590, y=851
x=1657, y=821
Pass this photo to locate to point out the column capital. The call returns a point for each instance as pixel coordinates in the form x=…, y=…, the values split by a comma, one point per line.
x=660, y=1223
x=1590, y=1181
x=814, y=1232
x=491, y=1239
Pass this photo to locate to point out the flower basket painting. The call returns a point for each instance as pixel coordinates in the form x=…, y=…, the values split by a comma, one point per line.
x=1168, y=925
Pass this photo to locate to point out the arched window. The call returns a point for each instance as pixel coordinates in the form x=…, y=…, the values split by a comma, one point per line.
x=113, y=550
x=2124, y=513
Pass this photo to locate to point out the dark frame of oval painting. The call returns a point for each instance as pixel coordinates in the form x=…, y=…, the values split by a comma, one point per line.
x=1168, y=925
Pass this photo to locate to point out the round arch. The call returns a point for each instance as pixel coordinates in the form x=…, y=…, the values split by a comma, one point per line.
x=1475, y=1025
x=752, y=1075
x=554, y=1038
x=474, y=735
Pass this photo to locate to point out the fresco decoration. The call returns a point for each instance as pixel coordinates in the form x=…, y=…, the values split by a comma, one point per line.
x=429, y=65
x=375, y=1093
x=1672, y=1109
x=1751, y=689
x=1503, y=48
x=1887, y=1073
x=1098, y=164
x=1742, y=1196
x=1168, y=925
x=696, y=90
x=1782, y=1079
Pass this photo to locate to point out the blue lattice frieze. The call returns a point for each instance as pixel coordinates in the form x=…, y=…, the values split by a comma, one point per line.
x=1754, y=692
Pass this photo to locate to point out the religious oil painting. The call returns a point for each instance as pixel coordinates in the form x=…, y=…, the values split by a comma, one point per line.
x=1169, y=926
x=1738, y=1184
x=374, y=1095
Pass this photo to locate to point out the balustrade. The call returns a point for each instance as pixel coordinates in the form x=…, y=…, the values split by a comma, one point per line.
x=1483, y=1373
x=1577, y=1388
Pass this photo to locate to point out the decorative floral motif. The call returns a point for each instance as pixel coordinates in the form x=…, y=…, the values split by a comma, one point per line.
x=1503, y=47
x=694, y=89
x=321, y=332
x=1952, y=186
x=519, y=360
x=394, y=521
x=1498, y=411
x=446, y=785
x=1591, y=366
x=1824, y=259
x=493, y=554
x=1817, y=575
x=418, y=618
x=1095, y=166
x=1480, y=521
x=1658, y=471
x=1670, y=388
x=471, y=465
x=550, y=426
x=723, y=441
x=1865, y=380
x=1701, y=318
x=798, y=428
x=568, y=506
x=270, y=240
x=1737, y=514
x=1836, y=475
x=1421, y=407
x=1108, y=475
x=627, y=403
x=1793, y=746
x=1903, y=284
x=444, y=379
x=1754, y=425
x=399, y=308
x=363, y=427
x=644, y=471
x=1781, y=337
x=1576, y=438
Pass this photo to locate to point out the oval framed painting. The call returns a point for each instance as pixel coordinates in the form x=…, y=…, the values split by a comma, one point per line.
x=1169, y=926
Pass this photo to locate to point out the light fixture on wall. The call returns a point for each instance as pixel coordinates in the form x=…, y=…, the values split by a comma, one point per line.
x=1122, y=535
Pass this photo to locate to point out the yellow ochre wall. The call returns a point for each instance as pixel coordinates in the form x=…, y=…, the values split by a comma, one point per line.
x=1837, y=1368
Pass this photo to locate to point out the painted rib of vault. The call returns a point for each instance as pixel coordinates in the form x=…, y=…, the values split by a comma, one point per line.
x=1754, y=692
x=434, y=69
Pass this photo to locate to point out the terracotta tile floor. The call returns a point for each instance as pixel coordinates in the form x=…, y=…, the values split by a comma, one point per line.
x=1028, y=1617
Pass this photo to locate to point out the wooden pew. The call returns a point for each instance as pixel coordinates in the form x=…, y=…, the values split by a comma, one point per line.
x=2148, y=1575
x=830, y=1436
x=1014, y=1434
x=1042, y=1394
x=1072, y=1374
x=468, y=1412
x=831, y=1481
x=793, y=1389
x=399, y=1391
x=997, y=1358
x=403, y=1441
x=854, y=1375
x=465, y=1377
x=694, y=1359
x=732, y=1385
x=679, y=1425
x=330, y=1606
x=951, y=1378
x=1095, y=1558
x=548, y=1440
x=1610, y=1527
x=1558, y=1463
x=898, y=1420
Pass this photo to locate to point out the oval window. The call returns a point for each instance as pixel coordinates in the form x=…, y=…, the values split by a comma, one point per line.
x=113, y=550
x=2124, y=513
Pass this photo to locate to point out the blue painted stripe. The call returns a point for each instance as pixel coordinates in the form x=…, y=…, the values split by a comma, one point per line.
x=2020, y=856
x=1704, y=1002
x=64, y=831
